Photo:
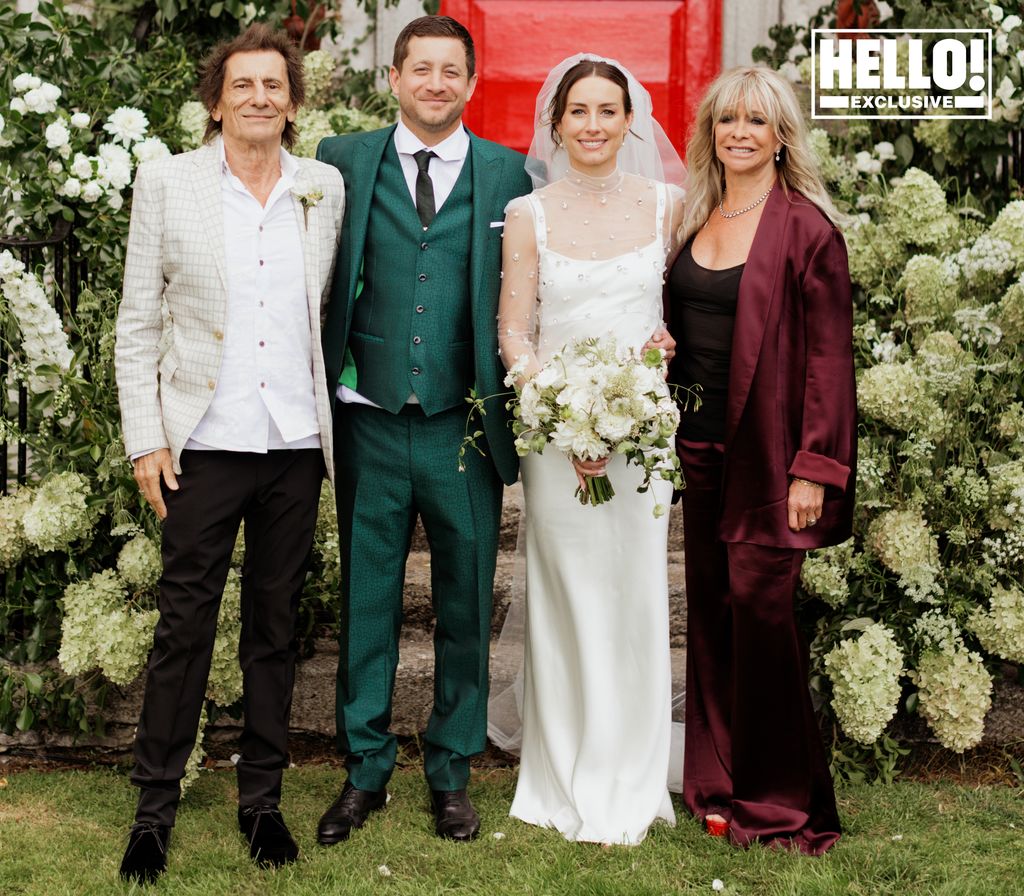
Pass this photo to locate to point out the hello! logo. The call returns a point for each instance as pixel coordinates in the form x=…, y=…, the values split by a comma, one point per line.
x=911, y=73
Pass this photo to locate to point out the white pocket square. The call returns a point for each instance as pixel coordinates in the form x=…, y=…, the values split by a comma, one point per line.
x=497, y=223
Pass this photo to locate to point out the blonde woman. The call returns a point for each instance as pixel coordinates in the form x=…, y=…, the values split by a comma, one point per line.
x=760, y=306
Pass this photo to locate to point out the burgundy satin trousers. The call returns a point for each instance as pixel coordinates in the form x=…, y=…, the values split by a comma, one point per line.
x=753, y=748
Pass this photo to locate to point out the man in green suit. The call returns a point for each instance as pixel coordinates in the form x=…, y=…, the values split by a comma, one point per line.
x=410, y=329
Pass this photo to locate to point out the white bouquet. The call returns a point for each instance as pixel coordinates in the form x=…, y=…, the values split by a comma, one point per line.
x=592, y=400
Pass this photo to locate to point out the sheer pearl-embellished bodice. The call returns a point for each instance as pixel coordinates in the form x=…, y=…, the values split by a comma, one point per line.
x=588, y=258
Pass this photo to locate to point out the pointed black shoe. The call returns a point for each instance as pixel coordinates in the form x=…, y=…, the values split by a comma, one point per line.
x=350, y=810
x=146, y=856
x=270, y=842
x=454, y=815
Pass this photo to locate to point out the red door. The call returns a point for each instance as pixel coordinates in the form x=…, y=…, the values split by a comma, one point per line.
x=673, y=48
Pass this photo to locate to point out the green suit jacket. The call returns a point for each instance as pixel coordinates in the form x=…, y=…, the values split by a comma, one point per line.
x=499, y=176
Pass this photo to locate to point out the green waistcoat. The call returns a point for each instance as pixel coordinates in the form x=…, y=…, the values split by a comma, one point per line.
x=412, y=325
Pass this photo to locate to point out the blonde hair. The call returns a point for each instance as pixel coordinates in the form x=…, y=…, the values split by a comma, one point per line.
x=750, y=87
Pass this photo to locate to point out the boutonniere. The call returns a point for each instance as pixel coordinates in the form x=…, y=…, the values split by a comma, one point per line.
x=309, y=198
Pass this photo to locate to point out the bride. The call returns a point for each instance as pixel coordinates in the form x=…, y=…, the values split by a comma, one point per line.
x=584, y=255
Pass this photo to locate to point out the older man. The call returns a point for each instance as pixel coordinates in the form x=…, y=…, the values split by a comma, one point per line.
x=232, y=423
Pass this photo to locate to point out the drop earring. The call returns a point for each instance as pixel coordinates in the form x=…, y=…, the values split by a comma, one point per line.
x=777, y=156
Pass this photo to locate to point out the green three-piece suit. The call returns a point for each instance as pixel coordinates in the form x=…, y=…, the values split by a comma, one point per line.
x=413, y=311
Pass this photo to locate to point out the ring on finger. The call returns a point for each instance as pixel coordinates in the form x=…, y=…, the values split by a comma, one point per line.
x=811, y=521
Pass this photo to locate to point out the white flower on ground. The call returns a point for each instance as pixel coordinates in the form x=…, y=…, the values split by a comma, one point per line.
x=150, y=148
x=80, y=120
x=126, y=125
x=865, y=674
x=717, y=885
x=384, y=871
x=57, y=135
x=25, y=81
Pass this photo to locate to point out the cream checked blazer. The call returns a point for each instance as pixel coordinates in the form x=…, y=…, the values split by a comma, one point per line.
x=167, y=368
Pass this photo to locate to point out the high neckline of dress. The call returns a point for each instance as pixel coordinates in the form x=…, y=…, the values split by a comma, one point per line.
x=591, y=184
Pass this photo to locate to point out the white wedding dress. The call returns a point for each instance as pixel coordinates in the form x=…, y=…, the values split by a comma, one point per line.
x=595, y=691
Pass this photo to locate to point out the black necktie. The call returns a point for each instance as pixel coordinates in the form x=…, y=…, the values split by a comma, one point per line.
x=424, y=187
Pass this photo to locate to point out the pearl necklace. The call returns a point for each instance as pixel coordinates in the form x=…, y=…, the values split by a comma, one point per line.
x=741, y=211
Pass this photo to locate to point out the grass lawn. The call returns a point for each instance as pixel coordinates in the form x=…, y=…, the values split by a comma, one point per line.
x=63, y=832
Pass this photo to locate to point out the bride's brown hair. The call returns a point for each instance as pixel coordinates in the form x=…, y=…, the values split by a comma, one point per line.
x=586, y=69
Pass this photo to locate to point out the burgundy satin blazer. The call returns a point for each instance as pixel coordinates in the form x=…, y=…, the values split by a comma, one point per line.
x=792, y=397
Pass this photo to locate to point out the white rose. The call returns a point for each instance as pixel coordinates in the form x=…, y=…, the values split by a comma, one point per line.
x=39, y=102
x=867, y=164
x=81, y=166
x=1002, y=43
x=57, y=135
x=92, y=191
x=885, y=151
x=150, y=148
x=115, y=201
x=1010, y=22
x=18, y=105
x=51, y=92
x=1020, y=57
x=9, y=264
x=65, y=151
x=80, y=120
x=72, y=187
x=995, y=13
x=55, y=168
x=25, y=81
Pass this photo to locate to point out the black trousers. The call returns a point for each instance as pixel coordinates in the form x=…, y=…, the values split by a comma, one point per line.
x=276, y=495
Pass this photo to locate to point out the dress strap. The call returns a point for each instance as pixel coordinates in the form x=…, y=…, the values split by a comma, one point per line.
x=540, y=225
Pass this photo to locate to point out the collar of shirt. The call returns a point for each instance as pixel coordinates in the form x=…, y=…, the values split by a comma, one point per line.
x=454, y=147
x=289, y=172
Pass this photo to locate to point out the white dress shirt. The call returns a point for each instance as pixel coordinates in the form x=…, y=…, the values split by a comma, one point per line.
x=444, y=172
x=264, y=398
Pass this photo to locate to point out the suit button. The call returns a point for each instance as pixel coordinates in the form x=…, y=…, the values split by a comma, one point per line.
x=423, y=245
x=218, y=335
x=416, y=340
x=261, y=262
x=416, y=371
x=419, y=309
x=423, y=278
x=212, y=384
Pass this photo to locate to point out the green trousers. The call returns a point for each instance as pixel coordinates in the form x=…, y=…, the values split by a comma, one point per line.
x=391, y=468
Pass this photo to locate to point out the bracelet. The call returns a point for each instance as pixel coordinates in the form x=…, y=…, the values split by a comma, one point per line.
x=806, y=482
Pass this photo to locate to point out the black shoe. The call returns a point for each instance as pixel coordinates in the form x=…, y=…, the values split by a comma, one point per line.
x=455, y=817
x=270, y=842
x=146, y=856
x=350, y=810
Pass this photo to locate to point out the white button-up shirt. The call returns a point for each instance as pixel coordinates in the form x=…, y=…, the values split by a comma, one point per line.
x=444, y=172
x=264, y=397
